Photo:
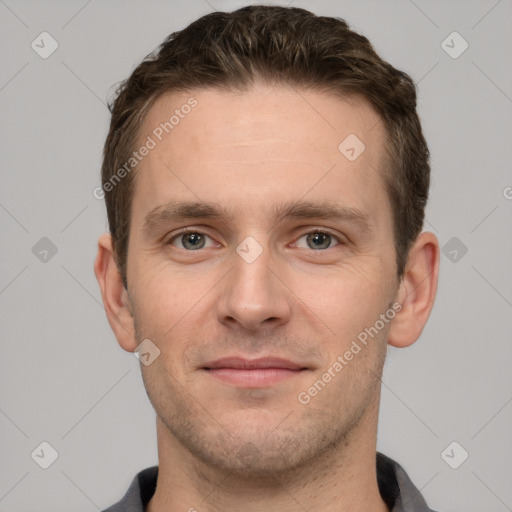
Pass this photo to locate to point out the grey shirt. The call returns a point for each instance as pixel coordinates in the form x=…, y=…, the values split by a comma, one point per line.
x=395, y=487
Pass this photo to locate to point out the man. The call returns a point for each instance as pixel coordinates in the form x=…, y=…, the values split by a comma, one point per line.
x=265, y=177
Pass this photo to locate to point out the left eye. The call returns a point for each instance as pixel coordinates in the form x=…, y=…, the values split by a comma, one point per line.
x=318, y=240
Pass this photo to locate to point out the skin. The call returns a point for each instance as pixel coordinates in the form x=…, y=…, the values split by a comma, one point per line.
x=223, y=447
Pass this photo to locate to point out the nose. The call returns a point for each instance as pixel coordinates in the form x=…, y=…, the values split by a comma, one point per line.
x=253, y=295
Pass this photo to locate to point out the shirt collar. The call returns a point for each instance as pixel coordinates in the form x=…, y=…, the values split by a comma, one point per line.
x=395, y=487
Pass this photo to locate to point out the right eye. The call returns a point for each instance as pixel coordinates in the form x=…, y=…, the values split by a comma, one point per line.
x=190, y=240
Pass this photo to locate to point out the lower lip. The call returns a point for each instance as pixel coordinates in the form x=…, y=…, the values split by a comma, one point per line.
x=253, y=378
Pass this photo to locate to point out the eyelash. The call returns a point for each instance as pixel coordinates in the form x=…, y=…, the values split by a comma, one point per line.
x=185, y=231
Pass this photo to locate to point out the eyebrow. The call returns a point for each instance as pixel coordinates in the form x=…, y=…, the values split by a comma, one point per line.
x=175, y=211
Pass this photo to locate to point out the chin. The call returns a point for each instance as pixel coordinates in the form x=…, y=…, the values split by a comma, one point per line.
x=261, y=459
x=255, y=451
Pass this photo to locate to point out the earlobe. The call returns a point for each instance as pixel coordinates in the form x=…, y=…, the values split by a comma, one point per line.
x=115, y=297
x=417, y=291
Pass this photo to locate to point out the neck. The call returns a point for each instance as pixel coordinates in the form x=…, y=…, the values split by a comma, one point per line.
x=341, y=479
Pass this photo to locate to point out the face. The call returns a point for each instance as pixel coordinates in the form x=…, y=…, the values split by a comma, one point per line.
x=286, y=258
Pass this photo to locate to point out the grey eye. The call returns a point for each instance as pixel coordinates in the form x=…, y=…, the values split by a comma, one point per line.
x=193, y=241
x=318, y=240
x=190, y=240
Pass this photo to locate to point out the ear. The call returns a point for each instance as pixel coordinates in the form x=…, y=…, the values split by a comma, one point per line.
x=115, y=296
x=417, y=291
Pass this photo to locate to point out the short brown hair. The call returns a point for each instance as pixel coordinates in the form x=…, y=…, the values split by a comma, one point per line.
x=278, y=45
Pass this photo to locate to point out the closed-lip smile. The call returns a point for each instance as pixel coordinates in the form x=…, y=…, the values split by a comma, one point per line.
x=253, y=373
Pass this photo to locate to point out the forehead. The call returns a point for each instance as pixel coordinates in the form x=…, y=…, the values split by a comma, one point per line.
x=249, y=149
x=320, y=119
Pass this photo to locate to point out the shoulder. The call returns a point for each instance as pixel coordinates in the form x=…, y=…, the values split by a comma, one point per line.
x=139, y=493
x=397, y=489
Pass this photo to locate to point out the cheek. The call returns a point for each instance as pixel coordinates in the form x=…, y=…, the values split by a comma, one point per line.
x=349, y=298
x=173, y=310
x=165, y=296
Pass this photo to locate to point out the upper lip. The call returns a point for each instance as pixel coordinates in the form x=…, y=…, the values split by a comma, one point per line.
x=250, y=364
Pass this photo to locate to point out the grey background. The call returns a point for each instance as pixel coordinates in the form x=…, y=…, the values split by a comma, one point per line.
x=64, y=379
